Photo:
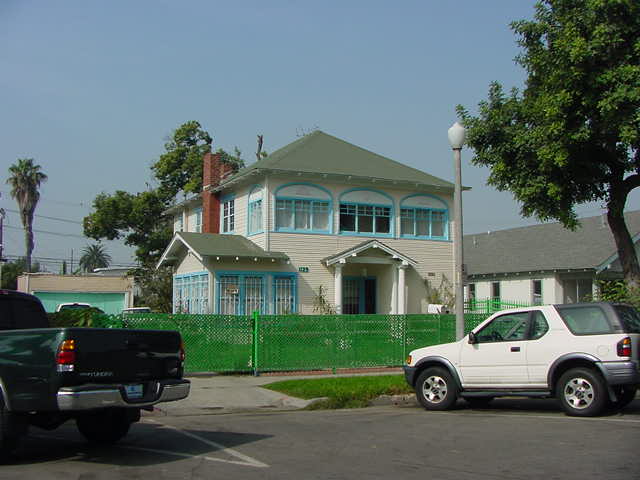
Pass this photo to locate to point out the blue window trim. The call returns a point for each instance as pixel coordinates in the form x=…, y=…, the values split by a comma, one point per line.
x=250, y=206
x=223, y=200
x=241, y=300
x=268, y=300
x=444, y=210
x=294, y=277
x=329, y=200
x=201, y=273
x=390, y=205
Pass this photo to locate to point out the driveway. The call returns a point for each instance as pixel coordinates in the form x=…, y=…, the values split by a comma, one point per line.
x=515, y=439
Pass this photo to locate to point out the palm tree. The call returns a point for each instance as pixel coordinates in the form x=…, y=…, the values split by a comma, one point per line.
x=25, y=179
x=94, y=256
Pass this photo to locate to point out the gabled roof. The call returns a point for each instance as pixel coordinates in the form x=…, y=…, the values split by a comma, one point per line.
x=321, y=154
x=343, y=256
x=203, y=245
x=546, y=247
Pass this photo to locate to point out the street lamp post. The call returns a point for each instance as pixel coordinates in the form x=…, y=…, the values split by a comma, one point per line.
x=456, y=140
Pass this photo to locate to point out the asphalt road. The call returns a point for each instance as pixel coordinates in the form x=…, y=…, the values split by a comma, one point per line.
x=514, y=439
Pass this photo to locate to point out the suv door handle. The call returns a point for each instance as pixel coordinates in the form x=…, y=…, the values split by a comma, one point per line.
x=515, y=349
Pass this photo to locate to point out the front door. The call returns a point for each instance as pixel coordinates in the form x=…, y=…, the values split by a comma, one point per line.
x=359, y=295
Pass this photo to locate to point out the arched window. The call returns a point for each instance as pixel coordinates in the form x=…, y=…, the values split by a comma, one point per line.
x=366, y=212
x=303, y=207
x=424, y=216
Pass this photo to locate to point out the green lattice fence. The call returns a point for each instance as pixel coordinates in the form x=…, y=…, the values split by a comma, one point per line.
x=225, y=343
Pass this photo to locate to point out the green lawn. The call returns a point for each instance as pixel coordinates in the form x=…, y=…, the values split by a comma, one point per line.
x=343, y=392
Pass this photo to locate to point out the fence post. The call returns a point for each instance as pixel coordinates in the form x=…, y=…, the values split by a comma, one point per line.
x=256, y=339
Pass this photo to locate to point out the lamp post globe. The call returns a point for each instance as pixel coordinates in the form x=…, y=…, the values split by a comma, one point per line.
x=456, y=134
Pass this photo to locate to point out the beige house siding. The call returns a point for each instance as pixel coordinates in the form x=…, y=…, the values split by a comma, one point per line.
x=38, y=282
x=434, y=262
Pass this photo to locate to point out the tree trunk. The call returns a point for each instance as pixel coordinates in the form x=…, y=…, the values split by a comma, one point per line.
x=29, y=246
x=624, y=242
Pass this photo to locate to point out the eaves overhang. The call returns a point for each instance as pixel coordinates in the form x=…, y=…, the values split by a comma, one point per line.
x=331, y=177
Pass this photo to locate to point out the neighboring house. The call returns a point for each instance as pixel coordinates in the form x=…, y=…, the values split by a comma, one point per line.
x=319, y=213
x=544, y=264
x=111, y=294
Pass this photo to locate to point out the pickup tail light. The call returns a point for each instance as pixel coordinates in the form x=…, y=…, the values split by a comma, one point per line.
x=624, y=347
x=182, y=355
x=66, y=356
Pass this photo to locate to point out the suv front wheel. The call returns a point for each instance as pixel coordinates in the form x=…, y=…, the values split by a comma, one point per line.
x=582, y=392
x=436, y=389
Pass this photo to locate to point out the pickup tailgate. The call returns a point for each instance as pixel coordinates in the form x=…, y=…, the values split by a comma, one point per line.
x=123, y=356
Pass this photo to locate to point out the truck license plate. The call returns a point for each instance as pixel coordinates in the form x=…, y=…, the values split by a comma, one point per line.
x=133, y=391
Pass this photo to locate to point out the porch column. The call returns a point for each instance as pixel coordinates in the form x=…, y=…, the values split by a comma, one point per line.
x=394, y=291
x=401, y=288
x=337, y=287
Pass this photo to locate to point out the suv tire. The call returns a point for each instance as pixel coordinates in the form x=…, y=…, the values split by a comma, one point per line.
x=436, y=389
x=625, y=395
x=582, y=392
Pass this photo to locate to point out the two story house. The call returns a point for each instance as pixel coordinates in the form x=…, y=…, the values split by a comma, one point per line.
x=319, y=221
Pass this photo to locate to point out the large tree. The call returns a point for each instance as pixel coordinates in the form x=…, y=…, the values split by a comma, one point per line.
x=94, y=256
x=25, y=179
x=573, y=134
x=139, y=218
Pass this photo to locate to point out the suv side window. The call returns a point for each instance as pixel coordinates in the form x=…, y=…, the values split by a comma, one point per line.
x=505, y=328
x=585, y=320
x=539, y=325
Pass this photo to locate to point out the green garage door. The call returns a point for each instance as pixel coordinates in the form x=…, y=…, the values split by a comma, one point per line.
x=110, y=303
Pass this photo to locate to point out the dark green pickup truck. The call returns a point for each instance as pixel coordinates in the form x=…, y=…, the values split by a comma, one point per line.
x=99, y=377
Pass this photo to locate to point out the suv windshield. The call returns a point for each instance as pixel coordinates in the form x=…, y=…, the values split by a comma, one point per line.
x=629, y=317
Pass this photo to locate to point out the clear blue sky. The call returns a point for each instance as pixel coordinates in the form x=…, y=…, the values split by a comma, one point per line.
x=92, y=89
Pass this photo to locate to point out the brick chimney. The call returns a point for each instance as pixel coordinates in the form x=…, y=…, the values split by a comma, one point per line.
x=214, y=171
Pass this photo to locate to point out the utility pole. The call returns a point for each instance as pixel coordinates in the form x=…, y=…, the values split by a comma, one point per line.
x=2, y=214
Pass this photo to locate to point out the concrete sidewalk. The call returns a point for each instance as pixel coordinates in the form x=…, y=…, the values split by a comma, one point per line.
x=217, y=394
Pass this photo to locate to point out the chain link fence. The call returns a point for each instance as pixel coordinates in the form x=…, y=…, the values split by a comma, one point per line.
x=243, y=343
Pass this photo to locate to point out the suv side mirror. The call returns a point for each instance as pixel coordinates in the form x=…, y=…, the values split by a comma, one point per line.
x=472, y=338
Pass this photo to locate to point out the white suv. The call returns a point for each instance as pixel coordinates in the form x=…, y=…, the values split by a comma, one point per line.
x=585, y=355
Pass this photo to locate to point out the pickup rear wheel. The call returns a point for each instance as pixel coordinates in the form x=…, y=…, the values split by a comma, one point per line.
x=582, y=392
x=436, y=389
x=104, y=426
x=12, y=428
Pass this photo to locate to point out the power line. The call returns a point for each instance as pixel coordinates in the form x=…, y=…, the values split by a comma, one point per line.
x=61, y=260
x=49, y=218
x=50, y=233
x=62, y=202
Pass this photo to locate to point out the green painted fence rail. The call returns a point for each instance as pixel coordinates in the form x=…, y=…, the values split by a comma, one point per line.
x=261, y=343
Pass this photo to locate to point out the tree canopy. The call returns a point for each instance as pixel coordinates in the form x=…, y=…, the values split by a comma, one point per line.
x=25, y=178
x=573, y=134
x=139, y=218
x=94, y=256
